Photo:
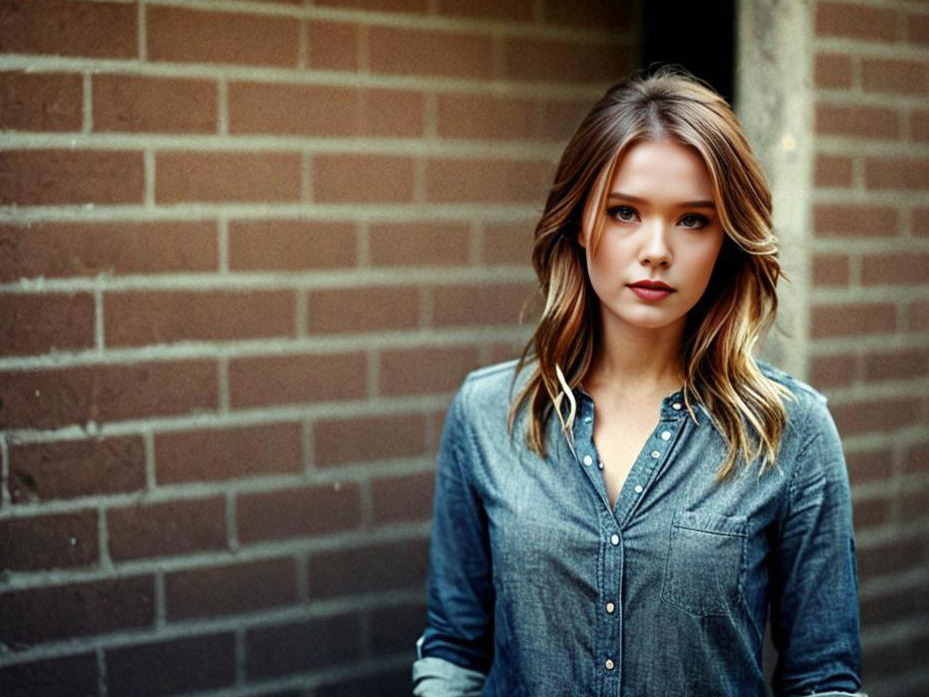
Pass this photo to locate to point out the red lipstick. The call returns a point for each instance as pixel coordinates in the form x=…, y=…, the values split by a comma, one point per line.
x=651, y=290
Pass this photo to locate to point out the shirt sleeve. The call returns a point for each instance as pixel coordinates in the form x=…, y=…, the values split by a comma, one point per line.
x=455, y=651
x=814, y=601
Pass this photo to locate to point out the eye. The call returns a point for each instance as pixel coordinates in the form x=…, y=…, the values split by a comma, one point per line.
x=696, y=221
x=624, y=214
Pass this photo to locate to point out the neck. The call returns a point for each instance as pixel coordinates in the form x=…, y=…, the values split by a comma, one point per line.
x=637, y=360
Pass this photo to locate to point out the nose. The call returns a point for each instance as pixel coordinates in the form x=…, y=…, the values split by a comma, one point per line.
x=654, y=249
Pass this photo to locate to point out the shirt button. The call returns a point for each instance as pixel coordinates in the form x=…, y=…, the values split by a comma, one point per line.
x=600, y=464
x=676, y=405
x=638, y=488
x=665, y=435
x=609, y=664
x=656, y=454
x=610, y=607
x=588, y=460
x=614, y=539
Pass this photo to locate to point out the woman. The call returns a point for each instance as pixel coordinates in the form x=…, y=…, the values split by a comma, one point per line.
x=616, y=511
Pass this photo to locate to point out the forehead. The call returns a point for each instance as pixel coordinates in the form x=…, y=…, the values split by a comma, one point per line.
x=662, y=169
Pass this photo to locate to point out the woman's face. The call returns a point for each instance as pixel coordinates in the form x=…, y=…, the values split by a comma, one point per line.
x=660, y=225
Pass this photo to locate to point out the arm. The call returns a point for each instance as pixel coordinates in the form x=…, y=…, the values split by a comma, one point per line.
x=814, y=601
x=456, y=649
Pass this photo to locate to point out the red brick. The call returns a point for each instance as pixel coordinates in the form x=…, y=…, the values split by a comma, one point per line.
x=58, y=250
x=560, y=119
x=293, y=379
x=855, y=21
x=895, y=269
x=341, y=441
x=897, y=364
x=833, y=170
x=318, y=110
x=392, y=113
x=613, y=16
x=65, y=28
x=49, y=542
x=478, y=305
x=483, y=180
x=403, y=498
x=557, y=60
x=305, y=645
x=425, y=370
x=245, y=588
x=508, y=243
x=171, y=667
x=857, y=121
x=56, y=677
x=419, y=244
x=333, y=45
x=894, y=556
x=137, y=318
x=291, y=245
x=40, y=101
x=394, y=628
x=428, y=52
x=847, y=220
x=918, y=316
x=55, y=397
x=919, y=126
x=901, y=173
x=916, y=458
x=894, y=76
x=851, y=319
x=876, y=415
x=418, y=6
x=78, y=609
x=917, y=28
x=488, y=117
x=914, y=504
x=227, y=176
x=368, y=569
x=830, y=370
x=830, y=270
x=362, y=178
x=298, y=512
x=871, y=512
x=520, y=10
x=34, y=323
x=192, y=36
x=37, y=177
x=70, y=469
x=393, y=681
x=228, y=453
x=888, y=607
x=869, y=465
x=363, y=309
x=919, y=222
x=134, y=103
x=832, y=70
x=167, y=529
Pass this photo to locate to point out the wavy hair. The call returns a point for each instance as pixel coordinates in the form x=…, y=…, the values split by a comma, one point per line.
x=738, y=306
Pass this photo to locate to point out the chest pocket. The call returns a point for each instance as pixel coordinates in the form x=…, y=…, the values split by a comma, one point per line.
x=706, y=563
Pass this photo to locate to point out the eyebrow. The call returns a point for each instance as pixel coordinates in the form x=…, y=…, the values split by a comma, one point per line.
x=636, y=199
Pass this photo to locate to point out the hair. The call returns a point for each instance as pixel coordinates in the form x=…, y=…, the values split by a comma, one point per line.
x=740, y=301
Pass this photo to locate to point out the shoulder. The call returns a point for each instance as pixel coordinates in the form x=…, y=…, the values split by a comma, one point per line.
x=805, y=405
x=487, y=393
x=810, y=426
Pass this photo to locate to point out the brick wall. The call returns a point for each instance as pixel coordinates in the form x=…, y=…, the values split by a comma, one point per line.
x=247, y=252
x=869, y=318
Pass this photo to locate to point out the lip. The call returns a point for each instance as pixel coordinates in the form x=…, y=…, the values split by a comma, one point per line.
x=646, y=293
x=658, y=285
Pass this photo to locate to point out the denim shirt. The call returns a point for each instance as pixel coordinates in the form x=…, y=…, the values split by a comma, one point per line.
x=538, y=587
